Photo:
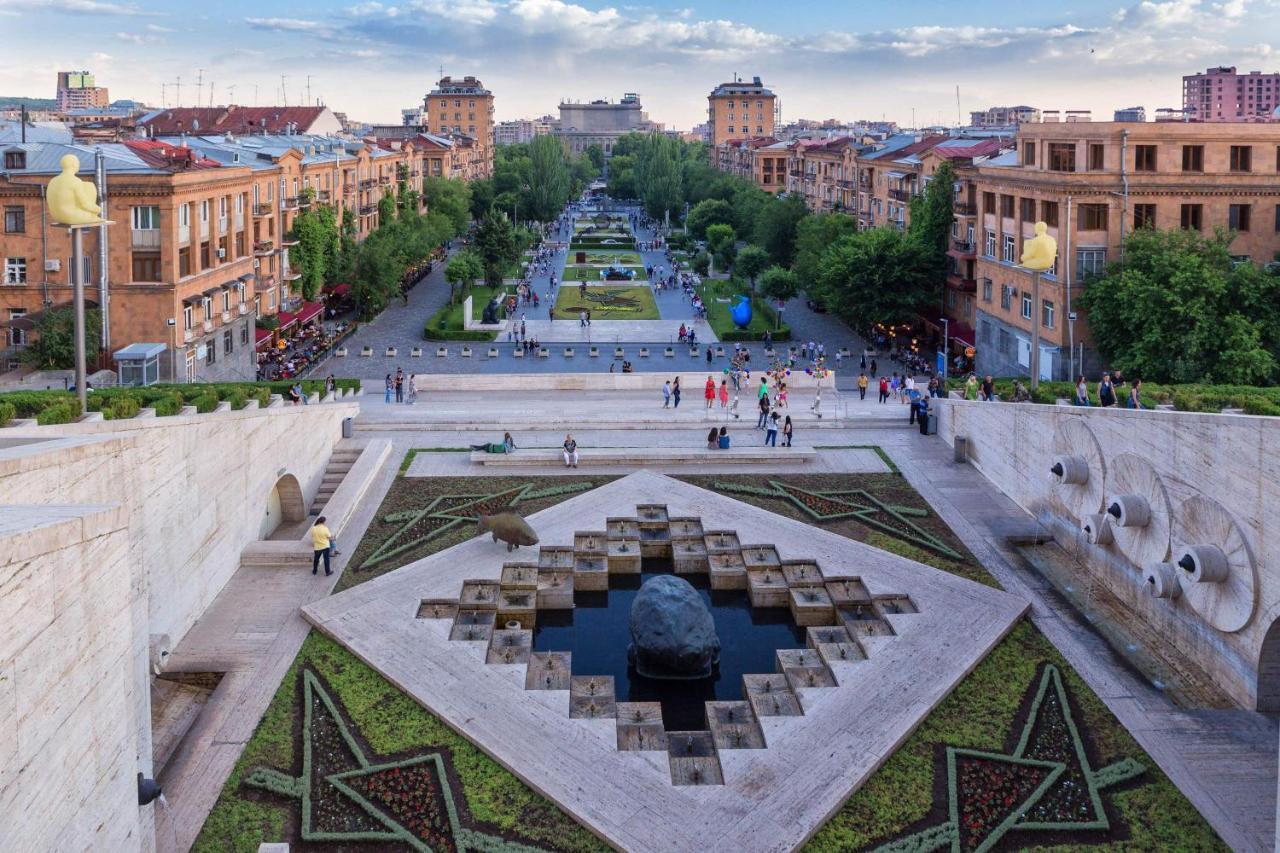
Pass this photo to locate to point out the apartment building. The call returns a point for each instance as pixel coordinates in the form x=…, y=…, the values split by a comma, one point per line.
x=522, y=130
x=1220, y=94
x=1093, y=183
x=1003, y=116
x=462, y=108
x=240, y=121
x=740, y=110
x=888, y=177
x=763, y=161
x=77, y=91
x=824, y=173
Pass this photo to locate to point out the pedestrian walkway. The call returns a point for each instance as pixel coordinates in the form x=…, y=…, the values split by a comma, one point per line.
x=656, y=333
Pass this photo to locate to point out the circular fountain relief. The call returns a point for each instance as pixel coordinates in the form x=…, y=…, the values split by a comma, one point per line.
x=1136, y=487
x=1078, y=452
x=1203, y=529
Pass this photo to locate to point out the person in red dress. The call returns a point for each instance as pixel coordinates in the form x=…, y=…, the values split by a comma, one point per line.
x=710, y=391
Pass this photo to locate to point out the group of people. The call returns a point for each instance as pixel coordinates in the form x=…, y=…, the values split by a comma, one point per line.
x=403, y=389
x=310, y=345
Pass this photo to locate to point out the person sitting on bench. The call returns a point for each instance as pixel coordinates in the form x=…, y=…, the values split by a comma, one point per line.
x=508, y=444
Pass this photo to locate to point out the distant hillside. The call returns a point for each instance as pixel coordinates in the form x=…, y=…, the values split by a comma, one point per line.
x=7, y=101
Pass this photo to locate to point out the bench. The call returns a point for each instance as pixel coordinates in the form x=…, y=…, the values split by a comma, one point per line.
x=699, y=455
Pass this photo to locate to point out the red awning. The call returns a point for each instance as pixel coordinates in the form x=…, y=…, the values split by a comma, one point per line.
x=961, y=333
x=309, y=311
x=261, y=338
x=286, y=319
x=338, y=289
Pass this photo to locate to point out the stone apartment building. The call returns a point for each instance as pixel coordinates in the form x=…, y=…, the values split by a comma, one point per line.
x=823, y=172
x=1220, y=94
x=461, y=108
x=740, y=110
x=763, y=161
x=1092, y=184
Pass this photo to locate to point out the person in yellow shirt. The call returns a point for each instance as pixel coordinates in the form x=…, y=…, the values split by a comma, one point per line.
x=322, y=545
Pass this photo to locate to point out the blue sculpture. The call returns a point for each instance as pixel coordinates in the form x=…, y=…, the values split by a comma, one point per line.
x=741, y=313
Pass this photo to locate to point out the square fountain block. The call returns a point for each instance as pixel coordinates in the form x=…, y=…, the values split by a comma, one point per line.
x=734, y=725
x=771, y=695
x=555, y=557
x=640, y=727
x=519, y=576
x=727, y=571
x=655, y=541
x=510, y=646
x=693, y=759
x=548, y=671
x=624, y=556
x=652, y=514
x=473, y=625
x=802, y=573
x=685, y=528
x=591, y=574
x=802, y=677
x=617, y=527
x=810, y=605
x=590, y=542
x=847, y=591
x=555, y=589
x=886, y=604
x=767, y=588
x=437, y=608
x=834, y=645
x=592, y=697
x=479, y=594
x=722, y=542
x=863, y=620
x=517, y=605
x=689, y=556
x=761, y=557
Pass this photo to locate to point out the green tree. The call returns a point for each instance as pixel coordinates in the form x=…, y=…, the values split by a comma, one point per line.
x=710, y=211
x=377, y=275
x=482, y=196
x=463, y=270
x=931, y=217
x=549, y=179
x=776, y=228
x=751, y=261
x=348, y=250
x=316, y=230
x=814, y=235
x=658, y=175
x=450, y=197
x=875, y=276
x=779, y=283
x=701, y=263
x=386, y=209
x=595, y=154
x=54, y=347
x=722, y=244
x=496, y=243
x=1179, y=309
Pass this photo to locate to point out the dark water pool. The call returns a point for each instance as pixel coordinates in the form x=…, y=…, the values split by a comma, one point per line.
x=597, y=632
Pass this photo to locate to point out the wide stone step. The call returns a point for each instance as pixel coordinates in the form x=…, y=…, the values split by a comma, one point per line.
x=273, y=553
x=649, y=456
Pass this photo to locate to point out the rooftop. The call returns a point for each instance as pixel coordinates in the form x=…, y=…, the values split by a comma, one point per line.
x=741, y=87
x=231, y=119
x=460, y=86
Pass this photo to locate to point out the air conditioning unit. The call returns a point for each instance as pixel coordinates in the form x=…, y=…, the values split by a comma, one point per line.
x=222, y=253
x=52, y=265
x=256, y=263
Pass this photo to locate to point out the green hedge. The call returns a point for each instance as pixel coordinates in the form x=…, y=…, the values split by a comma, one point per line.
x=1183, y=398
x=7, y=413
x=64, y=412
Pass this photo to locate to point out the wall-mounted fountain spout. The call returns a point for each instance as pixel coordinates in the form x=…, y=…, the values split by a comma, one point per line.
x=1162, y=580
x=1205, y=563
x=1129, y=510
x=1069, y=469
x=1097, y=529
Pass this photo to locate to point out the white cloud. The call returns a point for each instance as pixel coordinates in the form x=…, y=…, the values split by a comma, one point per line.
x=91, y=7
x=134, y=38
x=288, y=25
x=101, y=57
x=156, y=28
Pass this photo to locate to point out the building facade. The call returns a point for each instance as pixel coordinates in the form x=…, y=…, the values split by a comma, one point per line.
x=763, y=161
x=601, y=122
x=740, y=110
x=1003, y=116
x=1220, y=94
x=462, y=107
x=77, y=91
x=1093, y=183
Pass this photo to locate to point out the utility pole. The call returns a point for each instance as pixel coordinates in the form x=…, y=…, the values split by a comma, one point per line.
x=284, y=95
x=178, y=96
x=199, y=85
x=255, y=94
x=308, y=90
x=231, y=94
x=211, y=93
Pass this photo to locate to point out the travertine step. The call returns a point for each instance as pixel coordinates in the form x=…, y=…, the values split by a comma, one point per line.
x=648, y=456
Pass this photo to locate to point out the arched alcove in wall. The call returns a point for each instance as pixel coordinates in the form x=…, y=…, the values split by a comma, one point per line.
x=284, y=505
x=1269, y=670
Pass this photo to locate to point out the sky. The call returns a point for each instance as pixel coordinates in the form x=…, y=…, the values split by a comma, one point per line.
x=845, y=59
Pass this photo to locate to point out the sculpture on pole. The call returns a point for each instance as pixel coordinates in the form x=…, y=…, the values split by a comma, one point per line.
x=1038, y=255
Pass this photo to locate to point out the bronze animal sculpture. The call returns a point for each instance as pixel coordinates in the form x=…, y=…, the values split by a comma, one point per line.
x=508, y=527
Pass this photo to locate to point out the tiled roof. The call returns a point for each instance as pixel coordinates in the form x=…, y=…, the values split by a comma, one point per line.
x=43, y=157
x=915, y=147
x=163, y=155
x=956, y=149
x=233, y=119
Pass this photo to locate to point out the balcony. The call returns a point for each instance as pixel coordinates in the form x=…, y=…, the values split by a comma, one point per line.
x=292, y=202
x=368, y=209
x=262, y=210
x=291, y=274
x=222, y=225
x=244, y=308
x=146, y=238
x=263, y=247
x=963, y=247
x=207, y=325
x=900, y=195
x=964, y=208
x=187, y=335
x=348, y=189
x=368, y=184
x=239, y=220
x=287, y=241
x=323, y=196
x=204, y=230
x=226, y=317
x=184, y=233
x=957, y=281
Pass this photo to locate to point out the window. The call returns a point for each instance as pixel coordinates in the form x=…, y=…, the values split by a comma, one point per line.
x=184, y=215
x=228, y=342
x=204, y=211
x=1241, y=158
x=986, y=290
x=985, y=331
x=146, y=266
x=146, y=218
x=1006, y=342
x=1144, y=158
x=1193, y=158
x=186, y=317
x=1046, y=313
x=1049, y=213
x=1192, y=217
x=1238, y=217
x=1062, y=157
x=184, y=261
x=990, y=248
x=1278, y=218
x=1027, y=209
x=1093, y=217
x=17, y=337
x=211, y=352
x=1029, y=154
x=988, y=202
x=1097, y=156
x=1006, y=297
x=206, y=309
x=226, y=301
x=1006, y=206
x=1009, y=254
x=1144, y=216
x=15, y=159
x=15, y=220
x=1090, y=262
x=244, y=335
x=1026, y=305
x=15, y=270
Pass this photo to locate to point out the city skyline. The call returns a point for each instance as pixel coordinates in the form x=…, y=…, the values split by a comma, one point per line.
x=372, y=59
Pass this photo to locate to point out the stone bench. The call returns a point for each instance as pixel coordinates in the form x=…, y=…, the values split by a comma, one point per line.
x=751, y=455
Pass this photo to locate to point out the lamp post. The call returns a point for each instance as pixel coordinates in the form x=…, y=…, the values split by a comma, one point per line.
x=946, y=337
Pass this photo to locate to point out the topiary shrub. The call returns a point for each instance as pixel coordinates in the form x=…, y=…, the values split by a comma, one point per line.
x=59, y=413
x=122, y=408
x=168, y=405
x=7, y=413
x=206, y=402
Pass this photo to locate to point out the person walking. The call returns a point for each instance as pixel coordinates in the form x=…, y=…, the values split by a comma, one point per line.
x=413, y=389
x=987, y=392
x=764, y=411
x=1135, y=395
x=708, y=356
x=709, y=391
x=724, y=393
x=873, y=368
x=971, y=388
x=884, y=389
x=771, y=430
x=787, y=430
x=399, y=386
x=1106, y=392
x=675, y=393
x=570, y=452
x=1082, y=392
x=390, y=388
x=666, y=394
x=321, y=546
x=863, y=382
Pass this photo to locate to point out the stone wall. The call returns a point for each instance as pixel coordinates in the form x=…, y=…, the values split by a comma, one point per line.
x=1207, y=478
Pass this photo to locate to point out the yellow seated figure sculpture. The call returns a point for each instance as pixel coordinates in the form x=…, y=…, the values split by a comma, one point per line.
x=73, y=202
x=1040, y=251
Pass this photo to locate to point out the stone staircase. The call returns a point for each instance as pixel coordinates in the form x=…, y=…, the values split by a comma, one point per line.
x=340, y=462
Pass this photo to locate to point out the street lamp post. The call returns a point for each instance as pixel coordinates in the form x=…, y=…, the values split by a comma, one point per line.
x=946, y=330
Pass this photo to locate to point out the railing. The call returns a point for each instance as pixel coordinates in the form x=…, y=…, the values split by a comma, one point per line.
x=323, y=196
x=187, y=335
x=148, y=238
x=184, y=233
x=222, y=225
x=239, y=220
x=367, y=183
x=348, y=189
x=207, y=325
x=291, y=275
x=244, y=308
x=964, y=208
x=263, y=247
x=262, y=210
x=964, y=247
x=900, y=195
x=957, y=281
x=204, y=230
x=226, y=317
x=367, y=209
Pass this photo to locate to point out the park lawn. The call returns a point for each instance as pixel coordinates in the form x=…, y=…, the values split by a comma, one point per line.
x=608, y=302
x=576, y=272
x=595, y=246
x=613, y=256
x=763, y=316
x=451, y=316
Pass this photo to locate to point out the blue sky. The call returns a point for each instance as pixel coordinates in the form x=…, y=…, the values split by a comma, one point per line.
x=825, y=59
